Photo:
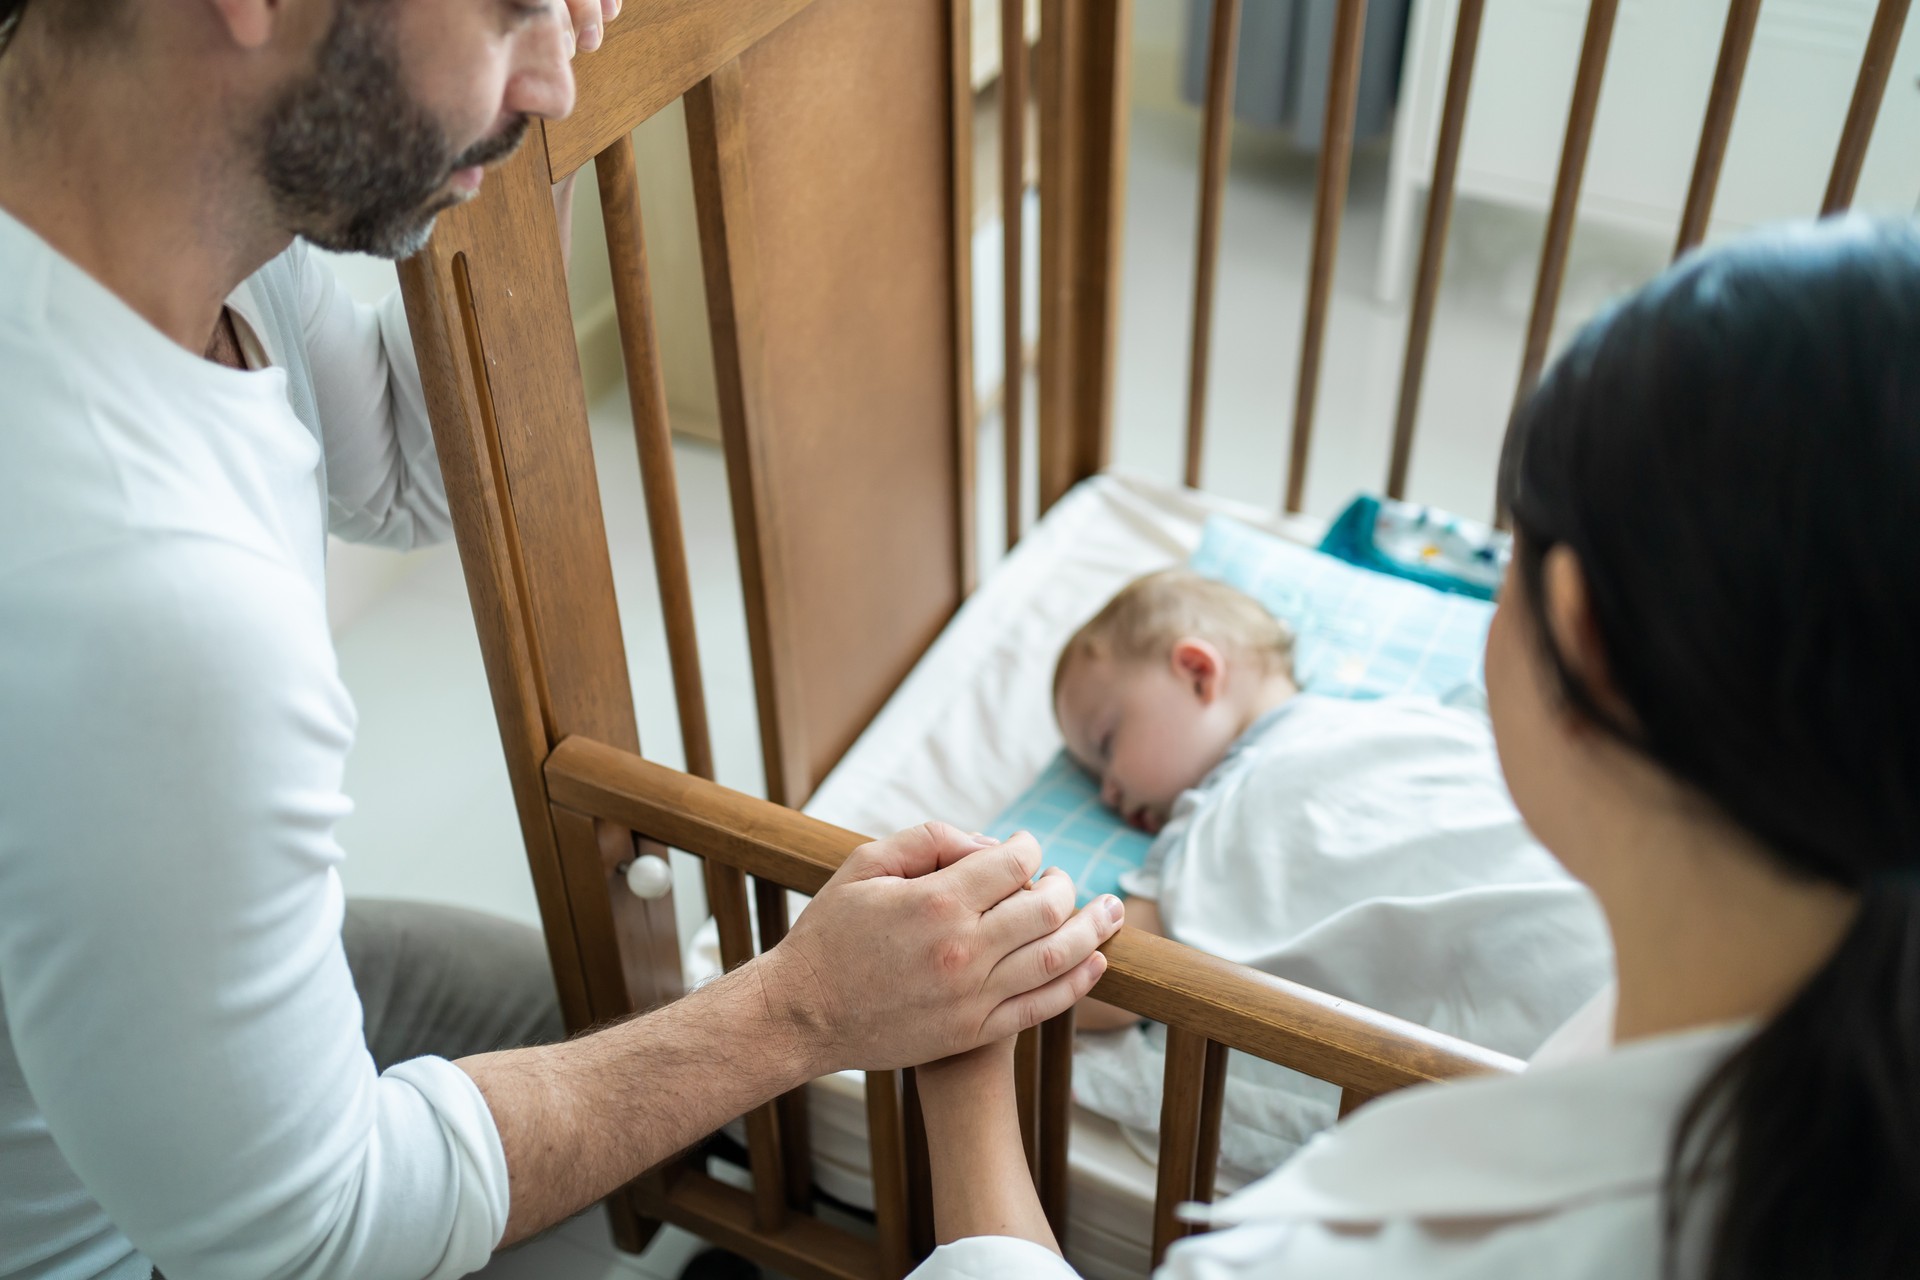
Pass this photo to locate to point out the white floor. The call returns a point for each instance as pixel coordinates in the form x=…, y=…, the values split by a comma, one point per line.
x=434, y=819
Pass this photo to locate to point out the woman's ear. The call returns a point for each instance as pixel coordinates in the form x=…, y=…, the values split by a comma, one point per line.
x=1201, y=665
x=1568, y=610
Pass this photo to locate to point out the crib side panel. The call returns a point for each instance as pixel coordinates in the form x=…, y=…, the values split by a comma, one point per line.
x=824, y=174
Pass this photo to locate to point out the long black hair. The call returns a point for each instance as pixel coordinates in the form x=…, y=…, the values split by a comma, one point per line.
x=1733, y=454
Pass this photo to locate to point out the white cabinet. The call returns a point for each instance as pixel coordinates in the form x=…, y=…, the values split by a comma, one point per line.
x=1799, y=81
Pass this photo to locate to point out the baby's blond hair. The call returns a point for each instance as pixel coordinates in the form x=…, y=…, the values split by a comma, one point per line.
x=1153, y=613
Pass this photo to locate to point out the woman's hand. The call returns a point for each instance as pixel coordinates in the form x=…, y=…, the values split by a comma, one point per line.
x=981, y=1185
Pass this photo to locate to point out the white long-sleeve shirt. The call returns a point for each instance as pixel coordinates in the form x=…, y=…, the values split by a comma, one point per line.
x=1552, y=1174
x=184, y=1079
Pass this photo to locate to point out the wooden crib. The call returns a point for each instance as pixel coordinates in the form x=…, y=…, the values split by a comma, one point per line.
x=831, y=159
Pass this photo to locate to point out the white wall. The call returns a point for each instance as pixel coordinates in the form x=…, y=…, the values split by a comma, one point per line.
x=356, y=575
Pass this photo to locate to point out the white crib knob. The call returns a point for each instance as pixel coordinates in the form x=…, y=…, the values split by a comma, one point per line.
x=649, y=877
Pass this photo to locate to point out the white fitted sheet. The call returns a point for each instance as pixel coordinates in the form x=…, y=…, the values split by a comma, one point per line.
x=965, y=733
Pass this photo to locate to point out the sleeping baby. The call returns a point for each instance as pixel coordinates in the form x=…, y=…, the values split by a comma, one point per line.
x=1366, y=848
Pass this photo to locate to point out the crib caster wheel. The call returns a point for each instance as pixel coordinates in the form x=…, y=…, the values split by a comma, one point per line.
x=649, y=877
x=718, y=1264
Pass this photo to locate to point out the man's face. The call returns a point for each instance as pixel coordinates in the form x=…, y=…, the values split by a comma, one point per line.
x=362, y=152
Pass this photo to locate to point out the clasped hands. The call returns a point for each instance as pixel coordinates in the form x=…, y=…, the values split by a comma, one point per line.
x=929, y=944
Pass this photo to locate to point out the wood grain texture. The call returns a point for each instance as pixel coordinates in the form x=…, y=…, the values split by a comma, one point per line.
x=1876, y=66
x=1566, y=191
x=653, y=436
x=805, y=1248
x=1179, y=1135
x=1321, y=1035
x=1056, y=1120
x=1433, y=241
x=487, y=302
x=1013, y=190
x=1082, y=84
x=1736, y=41
x=887, y=1150
x=1213, y=1098
x=656, y=52
x=833, y=319
x=960, y=216
x=1215, y=149
x=1329, y=204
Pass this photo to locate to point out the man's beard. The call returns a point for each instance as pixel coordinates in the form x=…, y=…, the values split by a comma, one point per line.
x=353, y=163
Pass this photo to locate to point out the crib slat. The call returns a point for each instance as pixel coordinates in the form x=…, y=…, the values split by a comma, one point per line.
x=1330, y=201
x=1566, y=189
x=1433, y=240
x=1743, y=16
x=1082, y=89
x=646, y=392
x=796, y=1145
x=1056, y=1119
x=1876, y=65
x=1216, y=149
x=886, y=1138
x=1213, y=1098
x=727, y=899
x=1179, y=1134
x=960, y=131
x=1013, y=188
x=1351, y=1100
x=1026, y=1092
x=919, y=1167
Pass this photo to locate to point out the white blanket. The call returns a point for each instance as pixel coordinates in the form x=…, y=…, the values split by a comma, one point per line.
x=1369, y=850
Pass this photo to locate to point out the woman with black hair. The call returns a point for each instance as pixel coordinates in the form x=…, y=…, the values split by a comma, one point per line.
x=1705, y=690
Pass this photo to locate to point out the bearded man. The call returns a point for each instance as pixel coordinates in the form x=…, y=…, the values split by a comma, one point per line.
x=211, y=1063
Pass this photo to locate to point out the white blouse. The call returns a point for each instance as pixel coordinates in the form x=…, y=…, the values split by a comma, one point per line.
x=1554, y=1174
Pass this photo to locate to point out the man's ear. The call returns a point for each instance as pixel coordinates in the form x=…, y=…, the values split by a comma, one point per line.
x=1201, y=665
x=248, y=23
x=1568, y=609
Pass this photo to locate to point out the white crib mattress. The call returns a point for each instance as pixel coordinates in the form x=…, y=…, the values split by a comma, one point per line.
x=965, y=733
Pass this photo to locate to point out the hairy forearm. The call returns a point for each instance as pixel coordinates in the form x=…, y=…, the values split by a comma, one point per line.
x=581, y=1118
x=981, y=1184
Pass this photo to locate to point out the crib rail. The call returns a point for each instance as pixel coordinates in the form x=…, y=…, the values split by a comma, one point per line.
x=1210, y=1005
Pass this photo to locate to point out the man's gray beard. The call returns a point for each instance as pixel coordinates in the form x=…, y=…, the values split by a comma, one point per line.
x=352, y=162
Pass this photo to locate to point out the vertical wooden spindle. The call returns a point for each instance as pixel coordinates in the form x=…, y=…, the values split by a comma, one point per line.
x=1216, y=150
x=1330, y=201
x=1566, y=190
x=1433, y=241
x=1179, y=1134
x=1013, y=190
x=1056, y=1120
x=1743, y=17
x=1876, y=65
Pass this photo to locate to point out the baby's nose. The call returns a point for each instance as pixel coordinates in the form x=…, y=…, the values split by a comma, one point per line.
x=1110, y=793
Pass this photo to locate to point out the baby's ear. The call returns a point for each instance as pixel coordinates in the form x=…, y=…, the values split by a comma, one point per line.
x=1201, y=665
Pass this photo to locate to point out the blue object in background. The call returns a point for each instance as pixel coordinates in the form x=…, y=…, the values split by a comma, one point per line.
x=1421, y=544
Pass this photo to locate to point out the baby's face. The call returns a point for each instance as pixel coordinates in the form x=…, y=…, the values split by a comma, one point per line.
x=1147, y=730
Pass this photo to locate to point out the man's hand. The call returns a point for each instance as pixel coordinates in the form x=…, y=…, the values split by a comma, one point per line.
x=929, y=943
x=589, y=19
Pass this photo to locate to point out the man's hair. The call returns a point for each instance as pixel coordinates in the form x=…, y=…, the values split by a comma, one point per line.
x=1153, y=613
x=70, y=21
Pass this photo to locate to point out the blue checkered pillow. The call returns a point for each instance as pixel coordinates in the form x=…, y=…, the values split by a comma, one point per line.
x=1359, y=634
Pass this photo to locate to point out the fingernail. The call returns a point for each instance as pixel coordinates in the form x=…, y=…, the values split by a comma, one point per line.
x=590, y=38
x=1116, y=910
x=984, y=841
x=572, y=48
x=610, y=8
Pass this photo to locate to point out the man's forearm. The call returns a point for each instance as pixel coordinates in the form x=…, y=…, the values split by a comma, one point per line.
x=581, y=1118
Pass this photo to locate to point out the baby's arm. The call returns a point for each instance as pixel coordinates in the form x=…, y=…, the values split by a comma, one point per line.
x=1098, y=1015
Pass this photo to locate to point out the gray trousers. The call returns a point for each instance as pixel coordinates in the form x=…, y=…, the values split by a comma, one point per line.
x=447, y=982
